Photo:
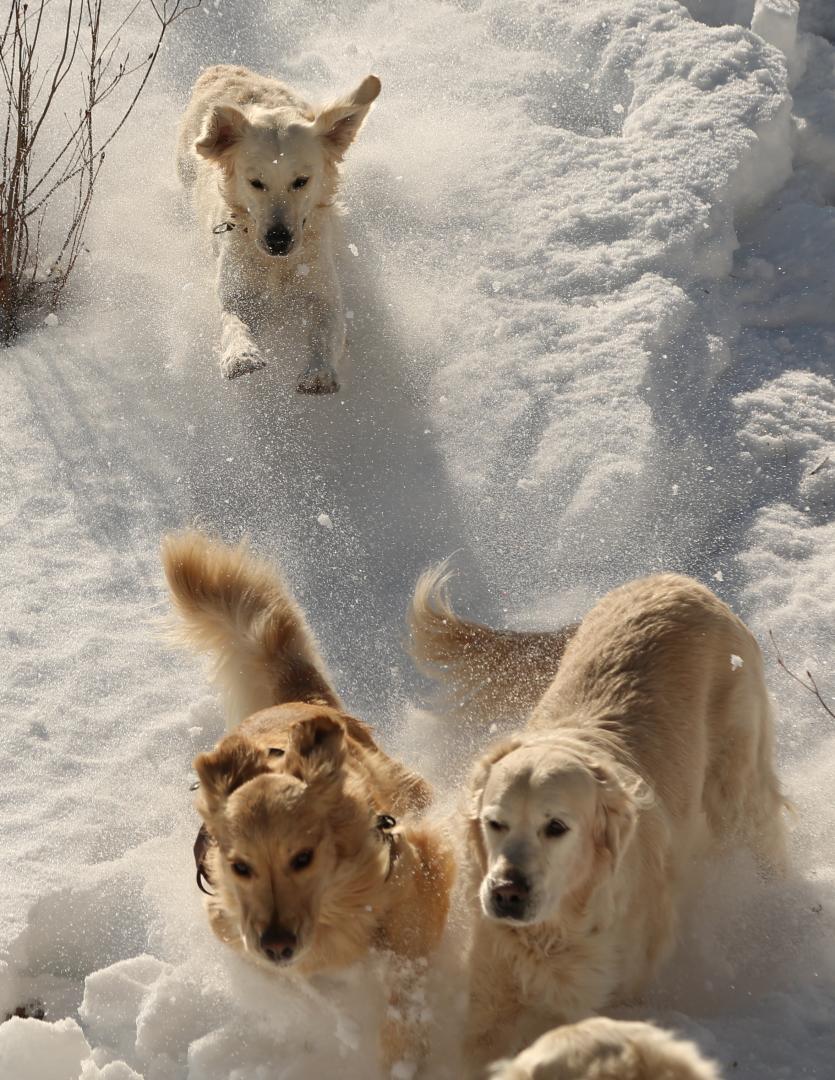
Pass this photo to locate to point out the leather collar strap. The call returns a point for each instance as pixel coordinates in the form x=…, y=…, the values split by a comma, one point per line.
x=201, y=849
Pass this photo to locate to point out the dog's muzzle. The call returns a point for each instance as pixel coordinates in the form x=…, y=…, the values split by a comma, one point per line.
x=279, y=945
x=509, y=898
x=279, y=240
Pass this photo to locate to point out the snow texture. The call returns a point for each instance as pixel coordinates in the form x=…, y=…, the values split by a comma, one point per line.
x=590, y=293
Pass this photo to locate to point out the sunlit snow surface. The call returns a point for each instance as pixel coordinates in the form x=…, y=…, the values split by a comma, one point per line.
x=592, y=330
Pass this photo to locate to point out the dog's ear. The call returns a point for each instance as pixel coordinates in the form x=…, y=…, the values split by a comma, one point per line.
x=234, y=761
x=357, y=730
x=478, y=782
x=338, y=123
x=621, y=794
x=222, y=129
x=315, y=747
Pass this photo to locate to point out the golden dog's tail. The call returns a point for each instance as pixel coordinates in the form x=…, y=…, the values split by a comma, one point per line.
x=488, y=675
x=237, y=608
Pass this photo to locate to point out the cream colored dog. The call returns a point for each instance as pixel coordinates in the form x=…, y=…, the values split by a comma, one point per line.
x=651, y=747
x=603, y=1049
x=264, y=169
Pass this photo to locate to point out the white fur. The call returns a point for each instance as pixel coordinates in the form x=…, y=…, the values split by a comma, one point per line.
x=650, y=748
x=603, y=1049
x=241, y=128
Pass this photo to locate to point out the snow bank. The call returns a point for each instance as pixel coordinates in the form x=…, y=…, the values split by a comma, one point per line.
x=592, y=338
x=600, y=289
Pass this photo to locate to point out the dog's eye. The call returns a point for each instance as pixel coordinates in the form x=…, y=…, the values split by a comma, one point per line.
x=299, y=182
x=276, y=751
x=258, y=185
x=556, y=828
x=242, y=869
x=303, y=859
x=495, y=826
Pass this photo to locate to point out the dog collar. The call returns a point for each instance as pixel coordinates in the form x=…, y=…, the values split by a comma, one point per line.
x=204, y=841
x=227, y=226
x=385, y=823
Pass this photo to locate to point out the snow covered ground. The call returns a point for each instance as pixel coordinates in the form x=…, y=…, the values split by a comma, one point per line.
x=593, y=336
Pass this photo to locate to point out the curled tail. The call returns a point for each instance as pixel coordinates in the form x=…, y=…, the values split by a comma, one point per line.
x=236, y=607
x=488, y=675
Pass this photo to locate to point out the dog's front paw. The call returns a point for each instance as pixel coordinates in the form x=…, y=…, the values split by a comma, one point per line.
x=318, y=381
x=237, y=362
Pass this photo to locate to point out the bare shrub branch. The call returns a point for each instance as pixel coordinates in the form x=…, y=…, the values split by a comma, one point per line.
x=811, y=685
x=36, y=85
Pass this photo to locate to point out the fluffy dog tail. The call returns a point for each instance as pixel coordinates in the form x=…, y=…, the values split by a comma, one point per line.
x=237, y=608
x=487, y=675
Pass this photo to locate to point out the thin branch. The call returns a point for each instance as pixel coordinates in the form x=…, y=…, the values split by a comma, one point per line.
x=34, y=89
x=811, y=685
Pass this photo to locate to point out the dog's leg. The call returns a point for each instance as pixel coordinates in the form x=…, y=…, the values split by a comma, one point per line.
x=495, y=1008
x=239, y=355
x=327, y=333
x=404, y=1037
x=422, y=878
x=327, y=343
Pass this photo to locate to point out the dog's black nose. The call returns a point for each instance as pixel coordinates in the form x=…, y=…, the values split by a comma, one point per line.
x=278, y=944
x=510, y=898
x=279, y=240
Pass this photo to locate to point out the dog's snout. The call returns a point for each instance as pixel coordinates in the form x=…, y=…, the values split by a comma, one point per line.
x=279, y=240
x=278, y=944
x=509, y=897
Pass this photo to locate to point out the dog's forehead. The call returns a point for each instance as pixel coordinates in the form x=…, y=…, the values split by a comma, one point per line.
x=539, y=774
x=273, y=801
x=274, y=143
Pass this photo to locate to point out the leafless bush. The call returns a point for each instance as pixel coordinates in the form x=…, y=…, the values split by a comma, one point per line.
x=37, y=255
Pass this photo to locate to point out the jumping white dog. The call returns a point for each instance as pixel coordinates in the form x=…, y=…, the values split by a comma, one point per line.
x=263, y=166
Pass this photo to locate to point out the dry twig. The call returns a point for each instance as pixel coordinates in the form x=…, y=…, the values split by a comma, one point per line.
x=811, y=685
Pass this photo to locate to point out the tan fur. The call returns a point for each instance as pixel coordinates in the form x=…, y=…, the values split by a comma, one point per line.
x=281, y=238
x=650, y=748
x=488, y=675
x=302, y=778
x=237, y=609
x=603, y=1049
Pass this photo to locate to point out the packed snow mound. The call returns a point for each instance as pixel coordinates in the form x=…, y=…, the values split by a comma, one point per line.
x=599, y=249
x=592, y=331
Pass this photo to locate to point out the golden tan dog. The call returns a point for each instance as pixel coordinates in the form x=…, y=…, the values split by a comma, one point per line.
x=651, y=747
x=603, y=1049
x=308, y=869
x=264, y=168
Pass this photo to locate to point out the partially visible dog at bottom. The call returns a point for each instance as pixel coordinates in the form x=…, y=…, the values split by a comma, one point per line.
x=308, y=868
x=604, y=1049
x=263, y=165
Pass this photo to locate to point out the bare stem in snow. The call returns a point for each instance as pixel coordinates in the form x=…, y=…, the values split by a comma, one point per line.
x=34, y=180
x=811, y=685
